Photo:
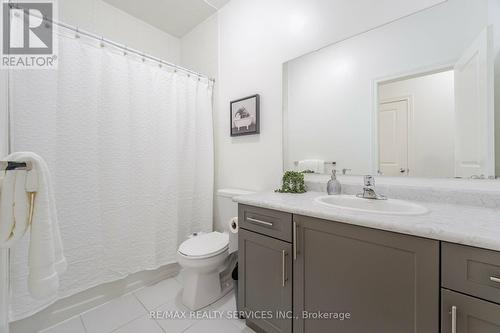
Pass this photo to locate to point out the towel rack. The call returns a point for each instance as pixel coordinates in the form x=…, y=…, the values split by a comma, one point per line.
x=13, y=165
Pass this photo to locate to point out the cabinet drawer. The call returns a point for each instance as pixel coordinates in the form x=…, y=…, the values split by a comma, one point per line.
x=465, y=314
x=471, y=270
x=266, y=221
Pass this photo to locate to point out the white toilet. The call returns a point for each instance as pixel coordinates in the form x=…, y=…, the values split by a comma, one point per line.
x=205, y=257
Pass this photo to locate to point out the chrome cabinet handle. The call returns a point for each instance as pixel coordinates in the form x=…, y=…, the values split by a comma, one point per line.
x=494, y=279
x=283, y=267
x=294, y=240
x=269, y=224
x=453, y=319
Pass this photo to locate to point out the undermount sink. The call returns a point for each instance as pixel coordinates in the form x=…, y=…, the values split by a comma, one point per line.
x=389, y=206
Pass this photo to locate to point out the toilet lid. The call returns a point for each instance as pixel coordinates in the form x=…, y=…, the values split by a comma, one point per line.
x=205, y=244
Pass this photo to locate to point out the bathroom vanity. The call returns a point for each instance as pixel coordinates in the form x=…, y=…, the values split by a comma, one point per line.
x=363, y=272
x=428, y=259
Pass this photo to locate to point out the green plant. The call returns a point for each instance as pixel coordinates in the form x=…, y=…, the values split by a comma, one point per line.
x=292, y=182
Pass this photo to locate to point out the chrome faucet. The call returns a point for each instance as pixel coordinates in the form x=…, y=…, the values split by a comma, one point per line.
x=369, y=190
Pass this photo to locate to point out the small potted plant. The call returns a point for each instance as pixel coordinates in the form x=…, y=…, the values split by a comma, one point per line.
x=292, y=182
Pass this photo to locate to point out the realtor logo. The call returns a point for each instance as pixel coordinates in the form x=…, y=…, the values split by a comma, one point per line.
x=28, y=35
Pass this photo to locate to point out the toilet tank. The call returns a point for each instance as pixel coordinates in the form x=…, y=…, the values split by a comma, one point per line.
x=226, y=208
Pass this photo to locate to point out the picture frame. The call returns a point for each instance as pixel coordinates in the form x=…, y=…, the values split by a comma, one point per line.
x=245, y=116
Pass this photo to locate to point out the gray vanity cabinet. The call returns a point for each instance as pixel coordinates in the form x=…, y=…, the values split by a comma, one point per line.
x=388, y=282
x=464, y=314
x=265, y=281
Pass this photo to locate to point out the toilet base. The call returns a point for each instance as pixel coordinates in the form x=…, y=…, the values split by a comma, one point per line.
x=206, y=280
x=203, y=289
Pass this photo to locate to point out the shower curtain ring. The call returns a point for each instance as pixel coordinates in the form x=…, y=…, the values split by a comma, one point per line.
x=124, y=50
x=47, y=23
x=102, y=41
x=76, y=33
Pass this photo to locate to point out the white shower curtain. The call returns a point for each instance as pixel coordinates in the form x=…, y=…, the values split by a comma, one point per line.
x=130, y=149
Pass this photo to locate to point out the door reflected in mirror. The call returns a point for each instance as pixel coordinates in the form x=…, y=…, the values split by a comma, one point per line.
x=416, y=126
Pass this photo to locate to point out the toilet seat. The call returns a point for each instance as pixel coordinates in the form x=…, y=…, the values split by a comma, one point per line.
x=205, y=245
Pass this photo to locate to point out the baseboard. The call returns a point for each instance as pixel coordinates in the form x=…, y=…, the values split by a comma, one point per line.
x=71, y=306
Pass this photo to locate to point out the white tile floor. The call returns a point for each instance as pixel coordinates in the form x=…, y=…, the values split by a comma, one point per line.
x=130, y=314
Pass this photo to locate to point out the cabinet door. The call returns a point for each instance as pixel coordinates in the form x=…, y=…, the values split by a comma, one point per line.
x=465, y=314
x=387, y=282
x=265, y=282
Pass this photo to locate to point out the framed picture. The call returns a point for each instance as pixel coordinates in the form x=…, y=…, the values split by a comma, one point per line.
x=245, y=116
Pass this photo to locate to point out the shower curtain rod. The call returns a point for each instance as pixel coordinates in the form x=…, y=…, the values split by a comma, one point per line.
x=123, y=47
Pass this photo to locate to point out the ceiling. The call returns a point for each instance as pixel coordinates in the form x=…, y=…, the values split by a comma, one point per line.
x=176, y=17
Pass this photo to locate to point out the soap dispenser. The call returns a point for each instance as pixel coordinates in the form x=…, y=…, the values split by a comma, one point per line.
x=333, y=186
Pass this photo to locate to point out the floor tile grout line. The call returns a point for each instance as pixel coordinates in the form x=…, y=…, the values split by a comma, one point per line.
x=83, y=324
x=51, y=327
x=156, y=308
x=148, y=311
x=165, y=302
x=194, y=323
x=158, y=324
x=131, y=320
x=133, y=293
x=128, y=322
x=105, y=303
x=235, y=323
x=157, y=320
x=122, y=326
x=138, y=300
x=211, y=307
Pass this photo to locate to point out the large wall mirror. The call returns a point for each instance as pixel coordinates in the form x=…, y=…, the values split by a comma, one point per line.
x=414, y=97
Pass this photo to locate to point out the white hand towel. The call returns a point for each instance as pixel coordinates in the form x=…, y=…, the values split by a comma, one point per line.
x=46, y=259
x=317, y=166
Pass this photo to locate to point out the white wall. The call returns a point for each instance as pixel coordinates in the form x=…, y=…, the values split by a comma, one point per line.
x=200, y=52
x=200, y=47
x=432, y=136
x=256, y=38
x=99, y=17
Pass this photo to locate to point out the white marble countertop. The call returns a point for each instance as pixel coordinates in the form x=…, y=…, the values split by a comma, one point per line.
x=468, y=225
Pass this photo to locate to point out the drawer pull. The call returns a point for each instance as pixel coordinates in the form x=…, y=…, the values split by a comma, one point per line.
x=294, y=240
x=495, y=279
x=269, y=224
x=453, y=319
x=283, y=262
